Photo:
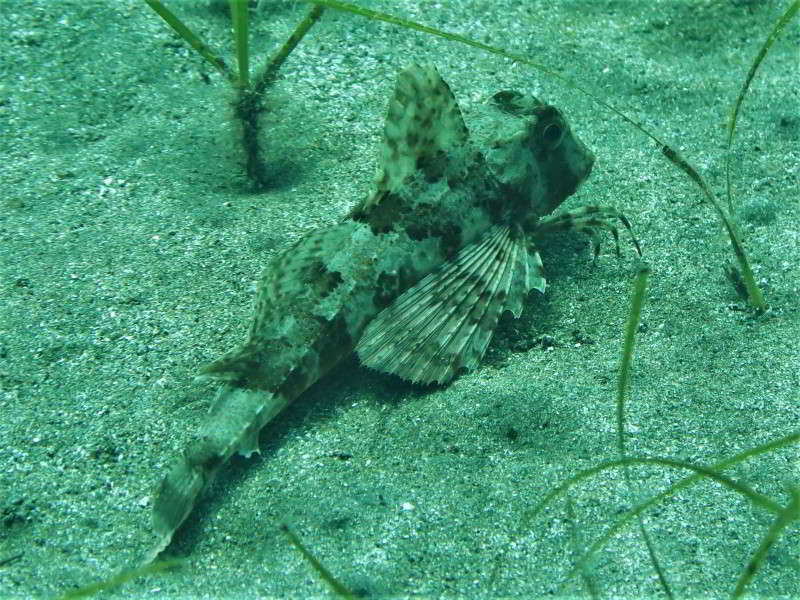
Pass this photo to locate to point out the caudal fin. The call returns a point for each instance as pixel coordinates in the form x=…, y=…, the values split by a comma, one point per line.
x=236, y=418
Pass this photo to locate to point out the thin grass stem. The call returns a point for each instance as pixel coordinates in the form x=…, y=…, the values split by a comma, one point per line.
x=623, y=386
x=334, y=584
x=588, y=581
x=755, y=297
x=790, y=514
x=241, y=36
x=790, y=13
x=623, y=380
x=699, y=472
x=120, y=578
x=189, y=36
x=271, y=69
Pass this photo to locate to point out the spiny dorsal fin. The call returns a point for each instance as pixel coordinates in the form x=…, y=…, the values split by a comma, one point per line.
x=423, y=120
x=445, y=322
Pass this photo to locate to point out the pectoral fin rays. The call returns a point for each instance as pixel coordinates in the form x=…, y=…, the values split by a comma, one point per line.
x=445, y=322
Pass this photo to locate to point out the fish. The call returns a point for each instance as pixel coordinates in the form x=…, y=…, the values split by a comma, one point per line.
x=413, y=279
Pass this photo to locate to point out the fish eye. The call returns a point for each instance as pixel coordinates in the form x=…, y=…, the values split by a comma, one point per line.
x=552, y=134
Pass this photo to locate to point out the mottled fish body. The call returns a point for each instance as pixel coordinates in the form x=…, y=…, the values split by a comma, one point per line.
x=413, y=280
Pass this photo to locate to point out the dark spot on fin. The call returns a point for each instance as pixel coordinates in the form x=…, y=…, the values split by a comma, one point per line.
x=422, y=124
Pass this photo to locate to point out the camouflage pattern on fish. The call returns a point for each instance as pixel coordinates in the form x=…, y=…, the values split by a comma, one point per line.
x=413, y=280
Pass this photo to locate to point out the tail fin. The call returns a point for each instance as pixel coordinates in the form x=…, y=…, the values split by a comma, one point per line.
x=237, y=416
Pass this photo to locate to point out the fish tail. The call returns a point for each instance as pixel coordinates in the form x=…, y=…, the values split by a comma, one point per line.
x=237, y=416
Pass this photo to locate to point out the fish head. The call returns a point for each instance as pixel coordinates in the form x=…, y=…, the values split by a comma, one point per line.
x=532, y=152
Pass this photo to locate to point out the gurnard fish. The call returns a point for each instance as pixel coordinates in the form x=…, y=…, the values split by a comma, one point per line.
x=413, y=279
